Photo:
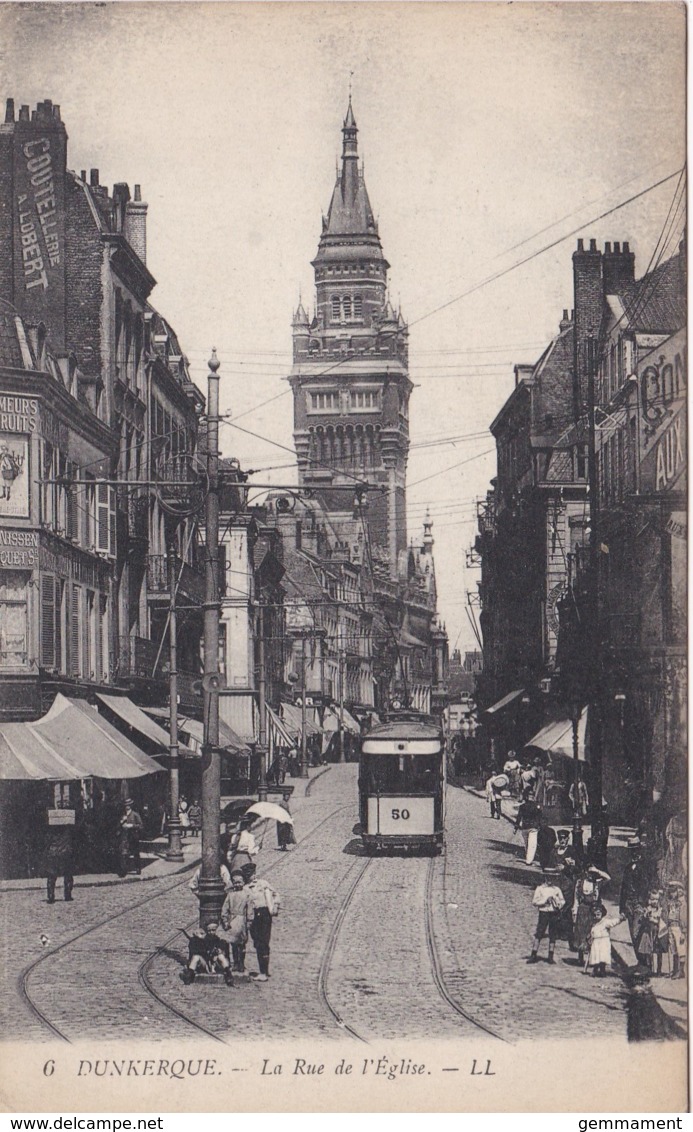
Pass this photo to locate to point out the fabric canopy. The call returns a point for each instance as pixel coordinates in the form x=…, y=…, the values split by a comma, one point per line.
x=70, y=742
x=557, y=738
x=291, y=716
x=331, y=721
x=228, y=738
x=504, y=702
x=133, y=715
x=278, y=734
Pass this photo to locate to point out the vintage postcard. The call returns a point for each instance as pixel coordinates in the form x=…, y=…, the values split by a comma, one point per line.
x=343, y=542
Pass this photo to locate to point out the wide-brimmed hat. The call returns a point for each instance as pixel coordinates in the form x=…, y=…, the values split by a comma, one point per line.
x=595, y=872
x=128, y=802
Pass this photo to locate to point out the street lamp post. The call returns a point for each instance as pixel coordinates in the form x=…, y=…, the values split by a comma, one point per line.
x=341, y=704
x=175, y=849
x=304, y=751
x=262, y=706
x=211, y=888
x=578, y=846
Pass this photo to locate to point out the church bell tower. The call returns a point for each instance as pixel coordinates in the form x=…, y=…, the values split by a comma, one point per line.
x=350, y=371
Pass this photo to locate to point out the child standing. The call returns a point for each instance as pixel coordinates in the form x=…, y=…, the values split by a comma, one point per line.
x=548, y=900
x=600, y=940
x=676, y=917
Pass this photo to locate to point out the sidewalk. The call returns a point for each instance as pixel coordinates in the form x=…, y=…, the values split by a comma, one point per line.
x=155, y=864
x=671, y=994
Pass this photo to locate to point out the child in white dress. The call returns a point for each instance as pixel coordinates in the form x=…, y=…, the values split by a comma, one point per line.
x=600, y=941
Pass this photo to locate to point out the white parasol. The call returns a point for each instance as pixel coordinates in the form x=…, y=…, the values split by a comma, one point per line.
x=270, y=810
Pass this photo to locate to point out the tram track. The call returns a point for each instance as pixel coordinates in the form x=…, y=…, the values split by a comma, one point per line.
x=437, y=973
x=27, y=974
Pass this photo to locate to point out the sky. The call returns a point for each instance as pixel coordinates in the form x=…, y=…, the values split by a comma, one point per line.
x=488, y=132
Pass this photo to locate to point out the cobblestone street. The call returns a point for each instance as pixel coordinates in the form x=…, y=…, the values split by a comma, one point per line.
x=373, y=948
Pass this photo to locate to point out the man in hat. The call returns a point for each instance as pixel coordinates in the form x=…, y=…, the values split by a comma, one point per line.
x=527, y=821
x=548, y=900
x=130, y=832
x=494, y=792
x=59, y=851
x=676, y=918
x=264, y=906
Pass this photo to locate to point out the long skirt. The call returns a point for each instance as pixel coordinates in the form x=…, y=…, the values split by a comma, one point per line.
x=285, y=834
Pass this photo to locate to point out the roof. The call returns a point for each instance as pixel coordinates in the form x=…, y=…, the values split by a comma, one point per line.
x=404, y=729
x=10, y=352
x=350, y=209
x=656, y=304
x=71, y=741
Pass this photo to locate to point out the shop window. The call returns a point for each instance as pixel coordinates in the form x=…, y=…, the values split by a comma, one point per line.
x=13, y=620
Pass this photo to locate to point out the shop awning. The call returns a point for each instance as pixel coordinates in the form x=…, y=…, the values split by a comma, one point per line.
x=331, y=721
x=278, y=734
x=70, y=742
x=291, y=716
x=504, y=702
x=228, y=738
x=135, y=718
x=557, y=738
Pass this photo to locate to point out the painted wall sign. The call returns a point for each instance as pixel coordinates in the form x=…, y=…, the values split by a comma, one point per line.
x=37, y=211
x=14, y=476
x=18, y=549
x=663, y=383
x=665, y=463
x=18, y=414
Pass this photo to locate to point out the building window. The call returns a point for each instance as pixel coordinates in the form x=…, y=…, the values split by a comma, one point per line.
x=13, y=620
x=335, y=308
x=358, y=306
x=365, y=400
x=327, y=402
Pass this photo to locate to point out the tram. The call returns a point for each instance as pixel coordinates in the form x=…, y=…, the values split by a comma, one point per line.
x=402, y=785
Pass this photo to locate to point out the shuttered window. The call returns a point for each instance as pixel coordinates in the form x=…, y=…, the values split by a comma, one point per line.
x=75, y=632
x=105, y=524
x=48, y=623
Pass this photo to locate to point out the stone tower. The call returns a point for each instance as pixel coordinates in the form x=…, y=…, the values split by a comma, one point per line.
x=349, y=377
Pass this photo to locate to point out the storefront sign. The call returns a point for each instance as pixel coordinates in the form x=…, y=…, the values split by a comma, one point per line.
x=18, y=549
x=66, y=562
x=665, y=463
x=18, y=414
x=37, y=209
x=14, y=476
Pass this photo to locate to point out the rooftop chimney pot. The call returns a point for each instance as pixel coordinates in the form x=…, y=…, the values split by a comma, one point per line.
x=593, y=245
x=24, y=114
x=607, y=247
x=138, y=192
x=56, y=112
x=94, y=177
x=626, y=247
x=83, y=175
x=617, y=247
x=9, y=110
x=581, y=246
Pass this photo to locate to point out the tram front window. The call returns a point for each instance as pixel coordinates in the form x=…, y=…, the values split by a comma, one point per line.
x=408, y=774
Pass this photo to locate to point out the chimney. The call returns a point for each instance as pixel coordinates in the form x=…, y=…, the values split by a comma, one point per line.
x=9, y=110
x=121, y=196
x=94, y=178
x=23, y=113
x=565, y=321
x=136, y=224
x=618, y=267
x=83, y=176
x=588, y=289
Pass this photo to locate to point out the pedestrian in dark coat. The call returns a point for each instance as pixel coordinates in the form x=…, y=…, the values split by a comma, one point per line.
x=59, y=852
x=635, y=888
x=285, y=830
x=527, y=821
x=130, y=832
x=264, y=903
x=546, y=845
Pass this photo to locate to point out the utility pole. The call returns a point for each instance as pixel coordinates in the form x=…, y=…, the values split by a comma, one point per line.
x=175, y=850
x=262, y=704
x=211, y=888
x=341, y=702
x=594, y=601
x=304, y=752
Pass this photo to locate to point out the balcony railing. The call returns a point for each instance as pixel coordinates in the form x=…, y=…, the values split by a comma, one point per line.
x=191, y=584
x=135, y=657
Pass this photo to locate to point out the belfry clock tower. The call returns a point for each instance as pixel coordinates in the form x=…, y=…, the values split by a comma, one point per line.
x=349, y=377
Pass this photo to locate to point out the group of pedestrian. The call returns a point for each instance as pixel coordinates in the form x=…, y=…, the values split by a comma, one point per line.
x=250, y=906
x=189, y=817
x=657, y=913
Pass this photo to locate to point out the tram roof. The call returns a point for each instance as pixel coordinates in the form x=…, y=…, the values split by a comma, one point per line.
x=404, y=729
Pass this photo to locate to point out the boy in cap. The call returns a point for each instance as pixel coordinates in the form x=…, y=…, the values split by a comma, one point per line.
x=264, y=905
x=548, y=900
x=208, y=953
x=236, y=916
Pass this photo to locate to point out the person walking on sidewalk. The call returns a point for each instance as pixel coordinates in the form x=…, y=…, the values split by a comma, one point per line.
x=676, y=916
x=264, y=905
x=285, y=830
x=546, y=845
x=131, y=826
x=513, y=768
x=59, y=851
x=634, y=890
x=549, y=901
x=495, y=786
x=236, y=918
x=527, y=821
x=599, y=957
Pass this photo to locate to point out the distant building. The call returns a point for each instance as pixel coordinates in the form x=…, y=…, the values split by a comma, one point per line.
x=351, y=391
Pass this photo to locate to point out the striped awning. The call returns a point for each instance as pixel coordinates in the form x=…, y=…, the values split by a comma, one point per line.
x=132, y=715
x=293, y=721
x=72, y=741
x=557, y=738
x=500, y=704
x=278, y=735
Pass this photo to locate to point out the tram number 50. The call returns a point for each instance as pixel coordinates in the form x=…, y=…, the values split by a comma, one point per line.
x=403, y=814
